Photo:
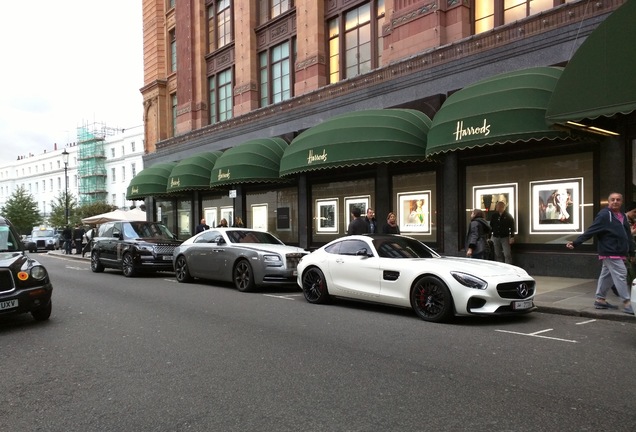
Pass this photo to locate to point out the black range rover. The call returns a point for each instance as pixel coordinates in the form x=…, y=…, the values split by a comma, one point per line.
x=133, y=247
x=24, y=283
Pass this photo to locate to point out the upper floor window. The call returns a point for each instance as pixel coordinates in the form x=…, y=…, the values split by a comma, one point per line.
x=221, y=101
x=219, y=24
x=112, y=152
x=133, y=169
x=173, y=50
x=491, y=14
x=358, y=35
x=171, y=4
x=275, y=73
x=132, y=146
x=173, y=103
x=113, y=175
x=270, y=9
x=123, y=174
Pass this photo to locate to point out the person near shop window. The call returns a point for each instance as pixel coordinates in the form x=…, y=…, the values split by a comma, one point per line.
x=201, y=227
x=391, y=226
x=503, y=233
x=615, y=245
x=477, y=237
x=357, y=225
x=370, y=220
x=238, y=222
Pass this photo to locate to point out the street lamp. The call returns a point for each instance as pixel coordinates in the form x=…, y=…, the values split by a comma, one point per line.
x=65, y=160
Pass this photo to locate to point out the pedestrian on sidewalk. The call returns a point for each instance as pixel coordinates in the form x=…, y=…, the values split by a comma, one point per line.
x=615, y=245
x=67, y=235
x=503, y=233
x=477, y=236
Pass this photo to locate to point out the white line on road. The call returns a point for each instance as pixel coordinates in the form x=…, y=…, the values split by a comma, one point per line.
x=537, y=336
x=586, y=322
x=284, y=297
x=540, y=331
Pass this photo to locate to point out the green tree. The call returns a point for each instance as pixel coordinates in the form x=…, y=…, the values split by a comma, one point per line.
x=58, y=211
x=22, y=210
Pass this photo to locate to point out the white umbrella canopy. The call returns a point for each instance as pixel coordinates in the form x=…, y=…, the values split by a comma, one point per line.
x=116, y=215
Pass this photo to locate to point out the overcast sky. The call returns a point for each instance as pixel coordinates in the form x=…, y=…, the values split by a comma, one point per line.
x=65, y=64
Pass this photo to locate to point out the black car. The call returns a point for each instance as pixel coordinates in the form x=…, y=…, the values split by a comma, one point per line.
x=24, y=283
x=133, y=247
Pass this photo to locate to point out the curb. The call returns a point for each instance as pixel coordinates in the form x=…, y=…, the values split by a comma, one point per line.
x=610, y=316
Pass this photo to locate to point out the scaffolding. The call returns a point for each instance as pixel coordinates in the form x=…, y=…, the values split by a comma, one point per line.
x=91, y=166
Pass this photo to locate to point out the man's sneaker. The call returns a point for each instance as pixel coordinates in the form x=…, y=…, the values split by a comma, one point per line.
x=629, y=310
x=604, y=305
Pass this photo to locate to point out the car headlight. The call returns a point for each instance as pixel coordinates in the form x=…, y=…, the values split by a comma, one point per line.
x=272, y=259
x=38, y=272
x=146, y=248
x=469, y=280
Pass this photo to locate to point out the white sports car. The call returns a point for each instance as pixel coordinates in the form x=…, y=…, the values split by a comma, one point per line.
x=402, y=271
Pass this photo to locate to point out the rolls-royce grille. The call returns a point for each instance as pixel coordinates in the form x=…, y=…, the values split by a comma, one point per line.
x=516, y=290
x=164, y=250
x=293, y=259
x=6, y=281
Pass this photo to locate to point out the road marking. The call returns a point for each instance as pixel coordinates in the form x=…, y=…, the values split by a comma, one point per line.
x=76, y=268
x=537, y=335
x=170, y=280
x=586, y=322
x=284, y=297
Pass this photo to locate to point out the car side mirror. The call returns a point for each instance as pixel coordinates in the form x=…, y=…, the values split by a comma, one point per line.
x=219, y=240
x=363, y=252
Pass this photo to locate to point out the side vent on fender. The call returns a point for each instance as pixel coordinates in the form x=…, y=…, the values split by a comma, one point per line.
x=390, y=275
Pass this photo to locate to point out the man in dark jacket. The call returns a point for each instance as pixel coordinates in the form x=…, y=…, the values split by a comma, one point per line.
x=78, y=237
x=503, y=233
x=614, y=244
x=357, y=225
x=370, y=220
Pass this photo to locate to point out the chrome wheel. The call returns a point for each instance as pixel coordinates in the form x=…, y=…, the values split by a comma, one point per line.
x=181, y=271
x=243, y=276
x=127, y=265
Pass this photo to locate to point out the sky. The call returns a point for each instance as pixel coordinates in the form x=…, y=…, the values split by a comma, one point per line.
x=66, y=64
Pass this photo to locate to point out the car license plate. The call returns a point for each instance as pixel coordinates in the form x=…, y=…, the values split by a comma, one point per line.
x=520, y=305
x=9, y=304
x=167, y=258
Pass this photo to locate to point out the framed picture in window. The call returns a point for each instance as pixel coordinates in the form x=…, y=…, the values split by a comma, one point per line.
x=556, y=206
x=361, y=202
x=327, y=215
x=259, y=217
x=414, y=212
x=486, y=198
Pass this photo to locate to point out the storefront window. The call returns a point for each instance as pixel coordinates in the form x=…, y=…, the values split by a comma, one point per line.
x=275, y=211
x=332, y=203
x=165, y=214
x=212, y=205
x=550, y=198
x=184, y=228
x=414, y=203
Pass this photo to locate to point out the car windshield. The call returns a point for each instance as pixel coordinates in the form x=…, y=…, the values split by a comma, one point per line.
x=246, y=236
x=8, y=242
x=135, y=230
x=402, y=247
x=43, y=233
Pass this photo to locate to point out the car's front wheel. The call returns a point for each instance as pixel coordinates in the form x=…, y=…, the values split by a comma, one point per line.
x=96, y=265
x=431, y=300
x=42, y=314
x=181, y=271
x=128, y=265
x=315, y=287
x=243, y=276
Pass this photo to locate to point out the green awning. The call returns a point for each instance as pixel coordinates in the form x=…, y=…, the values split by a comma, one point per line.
x=599, y=80
x=193, y=173
x=359, y=138
x=254, y=161
x=506, y=108
x=151, y=181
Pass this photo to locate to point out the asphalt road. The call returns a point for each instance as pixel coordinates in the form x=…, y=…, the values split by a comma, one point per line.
x=150, y=354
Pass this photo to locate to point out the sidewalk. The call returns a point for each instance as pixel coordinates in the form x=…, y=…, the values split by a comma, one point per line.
x=556, y=295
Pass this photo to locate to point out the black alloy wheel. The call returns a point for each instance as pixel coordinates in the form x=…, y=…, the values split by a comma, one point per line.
x=315, y=287
x=431, y=300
